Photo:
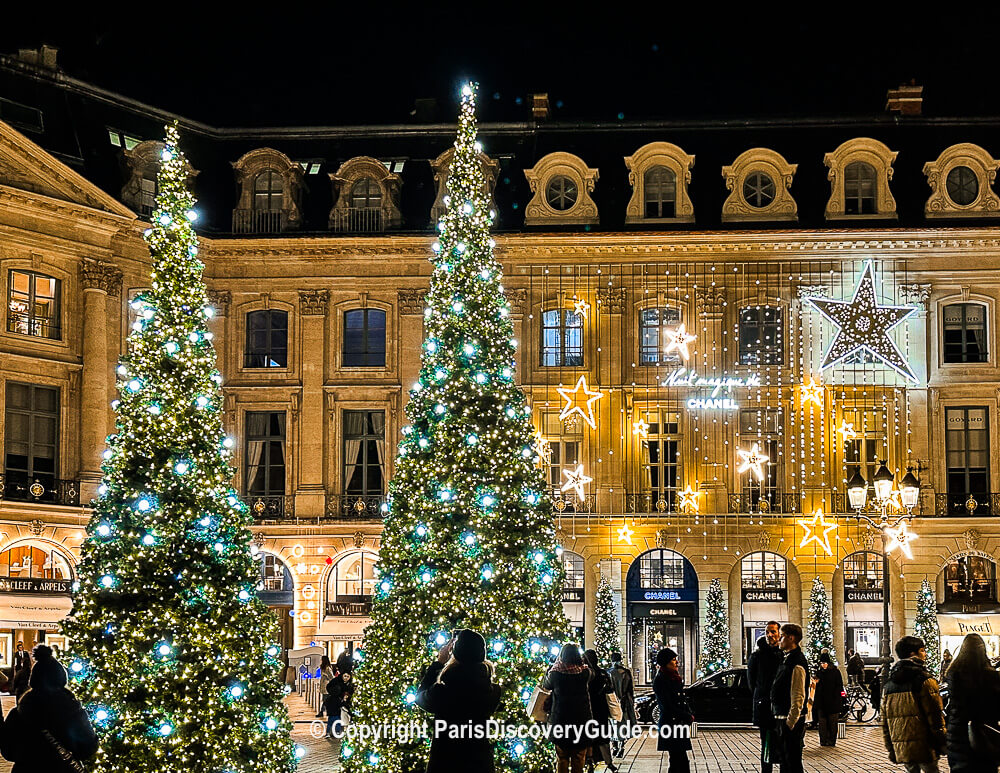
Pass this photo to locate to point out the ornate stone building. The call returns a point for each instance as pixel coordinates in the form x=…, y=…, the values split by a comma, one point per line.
x=712, y=351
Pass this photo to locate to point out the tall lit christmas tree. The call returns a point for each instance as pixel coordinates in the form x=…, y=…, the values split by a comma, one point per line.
x=926, y=625
x=468, y=540
x=606, y=637
x=819, y=630
x=715, y=651
x=172, y=653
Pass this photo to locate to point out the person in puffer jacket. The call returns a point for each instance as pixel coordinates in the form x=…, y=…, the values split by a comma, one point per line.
x=912, y=713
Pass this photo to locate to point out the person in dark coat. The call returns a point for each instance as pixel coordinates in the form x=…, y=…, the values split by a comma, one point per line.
x=458, y=689
x=675, y=715
x=47, y=706
x=789, y=695
x=339, y=693
x=761, y=667
x=828, y=700
x=855, y=667
x=345, y=663
x=569, y=680
x=974, y=697
x=621, y=680
x=600, y=687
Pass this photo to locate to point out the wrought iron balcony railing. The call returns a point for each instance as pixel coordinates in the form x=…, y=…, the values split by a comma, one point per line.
x=354, y=507
x=357, y=220
x=268, y=507
x=349, y=608
x=32, y=325
x=977, y=503
x=768, y=502
x=18, y=487
x=259, y=221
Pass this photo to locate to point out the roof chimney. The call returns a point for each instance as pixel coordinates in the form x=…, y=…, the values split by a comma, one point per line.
x=540, y=107
x=46, y=56
x=906, y=100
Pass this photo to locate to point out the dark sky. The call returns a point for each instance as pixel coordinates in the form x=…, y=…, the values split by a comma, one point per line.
x=366, y=62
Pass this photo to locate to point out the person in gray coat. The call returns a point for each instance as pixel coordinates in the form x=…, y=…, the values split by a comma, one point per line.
x=621, y=680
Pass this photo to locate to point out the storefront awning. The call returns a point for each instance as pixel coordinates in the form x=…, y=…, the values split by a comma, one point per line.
x=960, y=625
x=761, y=612
x=857, y=612
x=33, y=611
x=343, y=628
x=574, y=611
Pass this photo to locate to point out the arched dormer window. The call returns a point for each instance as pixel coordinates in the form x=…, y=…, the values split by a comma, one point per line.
x=659, y=174
x=859, y=174
x=139, y=191
x=442, y=169
x=860, y=188
x=561, y=184
x=270, y=193
x=366, y=197
x=961, y=181
x=759, y=183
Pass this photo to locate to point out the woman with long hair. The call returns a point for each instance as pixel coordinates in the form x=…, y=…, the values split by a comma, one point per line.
x=569, y=681
x=974, y=697
x=326, y=675
x=668, y=687
x=600, y=687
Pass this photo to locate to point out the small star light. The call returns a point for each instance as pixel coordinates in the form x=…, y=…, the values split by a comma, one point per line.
x=542, y=447
x=678, y=340
x=900, y=537
x=812, y=391
x=641, y=428
x=864, y=326
x=752, y=460
x=689, y=498
x=575, y=479
x=625, y=534
x=581, y=308
x=817, y=529
x=569, y=395
x=846, y=430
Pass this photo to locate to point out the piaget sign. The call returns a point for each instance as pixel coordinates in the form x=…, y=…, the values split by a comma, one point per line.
x=719, y=398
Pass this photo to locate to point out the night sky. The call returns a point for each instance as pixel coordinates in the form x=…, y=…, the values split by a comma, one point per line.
x=349, y=66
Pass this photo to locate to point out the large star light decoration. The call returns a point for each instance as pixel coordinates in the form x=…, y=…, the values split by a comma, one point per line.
x=900, y=537
x=576, y=480
x=812, y=392
x=581, y=308
x=625, y=534
x=817, y=529
x=569, y=395
x=689, y=498
x=678, y=340
x=864, y=326
x=752, y=460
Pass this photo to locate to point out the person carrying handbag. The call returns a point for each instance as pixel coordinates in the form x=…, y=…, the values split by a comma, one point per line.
x=48, y=731
x=973, y=705
x=600, y=690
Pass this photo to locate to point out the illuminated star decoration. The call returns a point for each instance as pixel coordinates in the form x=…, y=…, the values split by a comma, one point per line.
x=863, y=326
x=846, y=430
x=817, y=529
x=812, y=392
x=575, y=479
x=581, y=308
x=569, y=395
x=641, y=428
x=625, y=534
x=689, y=498
x=900, y=538
x=542, y=448
x=678, y=339
x=752, y=460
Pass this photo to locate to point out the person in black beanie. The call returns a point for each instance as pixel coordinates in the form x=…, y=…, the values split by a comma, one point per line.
x=668, y=687
x=47, y=720
x=458, y=688
x=828, y=700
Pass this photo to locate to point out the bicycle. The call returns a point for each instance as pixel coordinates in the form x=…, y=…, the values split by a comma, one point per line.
x=859, y=703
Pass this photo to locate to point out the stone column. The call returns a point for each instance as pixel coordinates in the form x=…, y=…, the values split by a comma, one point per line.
x=410, y=306
x=310, y=493
x=99, y=281
x=708, y=360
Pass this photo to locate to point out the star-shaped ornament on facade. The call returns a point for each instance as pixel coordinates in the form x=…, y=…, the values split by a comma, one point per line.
x=569, y=395
x=576, y=480
x=625, y=534
x=542, y=448
x=812, y=392
x=689, y=498
x=581, y=308
x=817, y=529
x=752, y=460
x=678, y=340
x=899, y=537
x=864, y=326
x=846, y=430
x=641, y=428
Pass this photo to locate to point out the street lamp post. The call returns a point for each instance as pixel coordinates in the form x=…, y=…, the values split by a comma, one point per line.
x=909, y=493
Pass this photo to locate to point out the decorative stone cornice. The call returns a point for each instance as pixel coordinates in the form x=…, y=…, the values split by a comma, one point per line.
x=220, y=300
x=412, y=301
x=517, y=298
x=98, y=275
x=917, y=292
x=611, y=299
x=313, y=302
x=710, y=300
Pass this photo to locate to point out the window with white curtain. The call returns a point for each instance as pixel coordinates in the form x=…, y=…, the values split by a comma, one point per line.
x=265, y=453
x=364, y=453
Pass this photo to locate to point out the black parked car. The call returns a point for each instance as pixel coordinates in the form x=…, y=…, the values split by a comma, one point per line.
x=724, y=697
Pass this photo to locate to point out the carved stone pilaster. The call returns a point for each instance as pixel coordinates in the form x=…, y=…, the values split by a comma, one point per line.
x=313, y=302
x=612, y=299
x=710, y=300
x=220, y=300
x=917, y=293
x=517, y=298
x=98, y=275
x=412, y=301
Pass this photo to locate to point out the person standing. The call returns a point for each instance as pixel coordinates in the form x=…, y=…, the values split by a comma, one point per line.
x=675, y=715
x=47, y=717
x=621, y=680
x=788, y=698
x=600, y=687
x=339, y=692
x=458, y=688
x=912, y=714
x=569, y=682
x=945, y=664
x=974, y=697
x=855, y=668
x=326, y=673
x=761, y=668
x=828, y=700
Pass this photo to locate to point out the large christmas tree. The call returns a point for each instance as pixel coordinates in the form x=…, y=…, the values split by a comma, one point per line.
x=172, y=652
x=715, y=651
x=819, y=630
x=468, y=540
x=926, y=625
x=606, y=635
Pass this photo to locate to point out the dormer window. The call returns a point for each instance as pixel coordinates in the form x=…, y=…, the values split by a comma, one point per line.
x=859, y=174
x=859, y=189
x=758, y=189
x=143, y=159
x=660, y=192
x=759, y=183
x=366, y=197
x=561, y=184
x=366, y=194
x=270, y=193
x=961, y=181
x=561, y=193
x=659, y=174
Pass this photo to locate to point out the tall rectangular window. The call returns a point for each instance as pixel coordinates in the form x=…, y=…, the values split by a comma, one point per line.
x=267, y=339
x=654, y=326
x=859, y=189
x=763, y=427
x=661, y=465
x=968, y=455
x=364, y=338
x=31, y=437
x=965, y=333
x=564, y=453
x=364, y=453
x=33, y=304
x=265, y=453
x=761, y=336
x=562, y=338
